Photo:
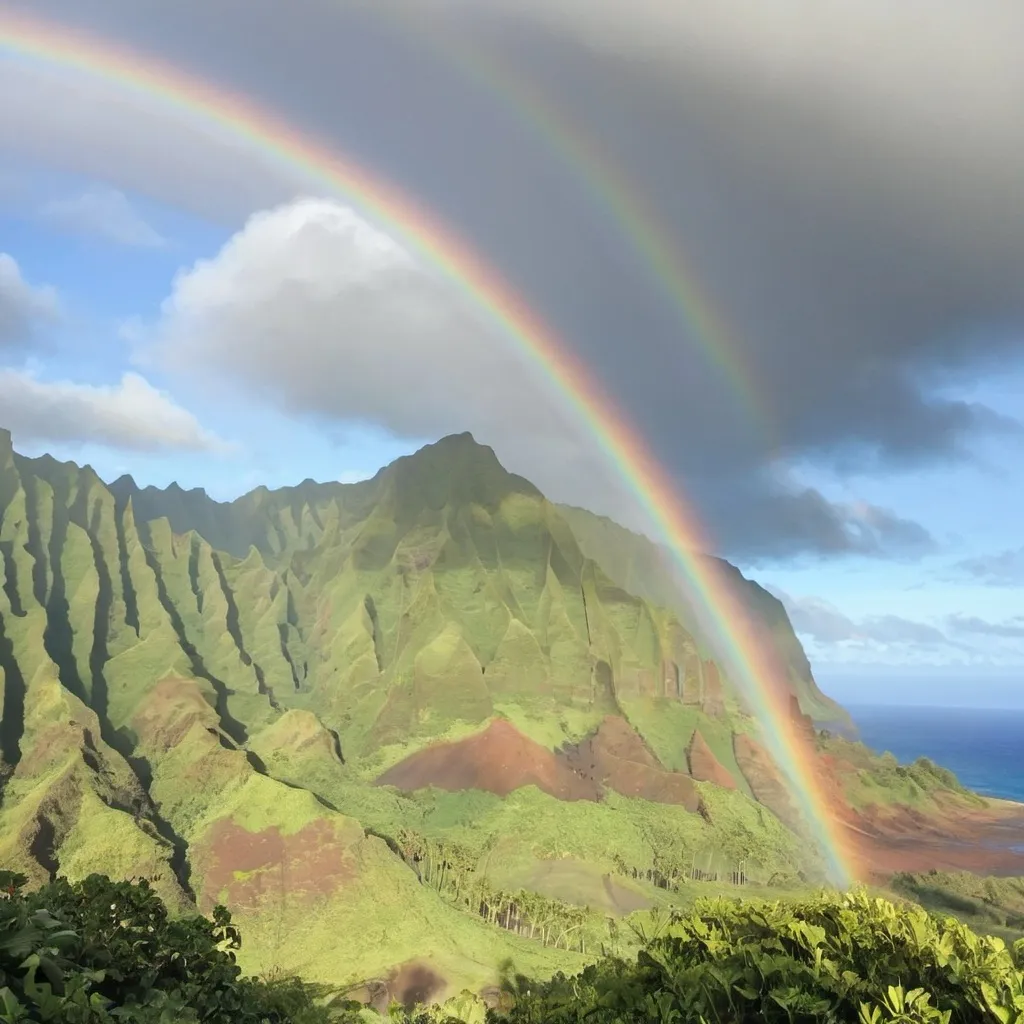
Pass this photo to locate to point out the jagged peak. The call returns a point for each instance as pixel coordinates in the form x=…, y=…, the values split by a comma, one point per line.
x=125, y=484
x=456, y=469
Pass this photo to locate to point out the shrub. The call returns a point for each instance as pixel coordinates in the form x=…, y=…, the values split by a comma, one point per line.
x=836, y=958
x=102, y=951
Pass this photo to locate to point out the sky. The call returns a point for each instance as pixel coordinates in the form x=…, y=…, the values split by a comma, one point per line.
x=789, y=245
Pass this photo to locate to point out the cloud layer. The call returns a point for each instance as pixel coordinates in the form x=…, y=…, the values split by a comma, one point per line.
x=834, y=636
x=131, y=415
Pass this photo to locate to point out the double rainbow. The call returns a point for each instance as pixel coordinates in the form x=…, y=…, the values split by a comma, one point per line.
x=749, y=661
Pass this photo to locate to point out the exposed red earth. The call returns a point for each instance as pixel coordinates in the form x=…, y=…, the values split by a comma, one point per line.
x=501, y=759
x=984, y=840
x=766, y=782
x=409, y=984
x=498, y=760
x=704, y=766
x=615, y=757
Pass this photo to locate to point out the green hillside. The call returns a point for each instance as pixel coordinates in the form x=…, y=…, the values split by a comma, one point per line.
x=431, y=713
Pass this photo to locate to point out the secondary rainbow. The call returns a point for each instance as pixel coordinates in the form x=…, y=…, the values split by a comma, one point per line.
x=612, y=195
x=748, y=661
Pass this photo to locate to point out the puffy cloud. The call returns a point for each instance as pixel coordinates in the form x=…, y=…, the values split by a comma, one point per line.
x=130, y=415
x=107, y=213
x=23, y=306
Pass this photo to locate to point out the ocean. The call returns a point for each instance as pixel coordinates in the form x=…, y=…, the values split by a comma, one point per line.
x=983, y=746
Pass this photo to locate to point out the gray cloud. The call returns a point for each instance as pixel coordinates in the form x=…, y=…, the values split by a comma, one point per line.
x=971, y=624
x=105, y=213
x=844, y=183
x=131, y=415
x=23, y=306
x=1004, y=569
x=821, y=621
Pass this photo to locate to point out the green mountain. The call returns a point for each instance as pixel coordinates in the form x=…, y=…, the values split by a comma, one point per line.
x=431, y=716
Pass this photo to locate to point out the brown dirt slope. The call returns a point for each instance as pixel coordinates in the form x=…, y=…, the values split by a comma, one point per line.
x=498, y=760
x=617, y=758
x=704, y=766
x=501, y=759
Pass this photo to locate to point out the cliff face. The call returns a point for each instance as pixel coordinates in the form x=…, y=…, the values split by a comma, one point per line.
x=644, y=568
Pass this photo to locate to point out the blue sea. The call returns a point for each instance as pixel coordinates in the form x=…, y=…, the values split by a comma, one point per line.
x=983, y=746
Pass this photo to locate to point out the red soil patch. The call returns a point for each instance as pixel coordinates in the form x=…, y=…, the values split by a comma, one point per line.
x=704, y=766
x=243, y=869
x=617, y=758
x=498, y=760
x=958, y=837
x=766, y=782
x=501, y=759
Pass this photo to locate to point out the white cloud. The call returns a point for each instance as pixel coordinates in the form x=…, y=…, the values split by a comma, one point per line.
x=107, y=213
x=317, y=310
x=130, y=415
x=22, y=306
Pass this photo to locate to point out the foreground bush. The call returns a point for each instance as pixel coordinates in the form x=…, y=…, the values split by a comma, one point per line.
x=836, y=958
x=99, y=951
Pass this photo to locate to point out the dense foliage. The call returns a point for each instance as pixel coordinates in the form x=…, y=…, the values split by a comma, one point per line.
x=836, y=958
x=99, y=951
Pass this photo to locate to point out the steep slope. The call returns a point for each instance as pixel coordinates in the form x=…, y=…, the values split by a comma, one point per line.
x=643, y=568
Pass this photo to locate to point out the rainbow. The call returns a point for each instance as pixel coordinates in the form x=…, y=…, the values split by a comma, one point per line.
x=749, y=661
x=613, y=197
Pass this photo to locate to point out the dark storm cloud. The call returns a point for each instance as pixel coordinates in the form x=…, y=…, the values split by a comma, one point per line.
x=847, y=190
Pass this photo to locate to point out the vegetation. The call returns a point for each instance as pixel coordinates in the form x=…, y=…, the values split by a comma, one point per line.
x=832, y=958
x=101, y=952
x=991, y=905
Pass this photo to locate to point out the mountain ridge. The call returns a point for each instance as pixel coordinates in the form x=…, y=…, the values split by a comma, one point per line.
x=222, y=717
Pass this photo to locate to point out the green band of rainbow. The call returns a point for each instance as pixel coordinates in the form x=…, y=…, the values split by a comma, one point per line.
x=749, y=662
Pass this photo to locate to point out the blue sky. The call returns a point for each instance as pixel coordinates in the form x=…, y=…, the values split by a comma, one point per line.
x=266, y=339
